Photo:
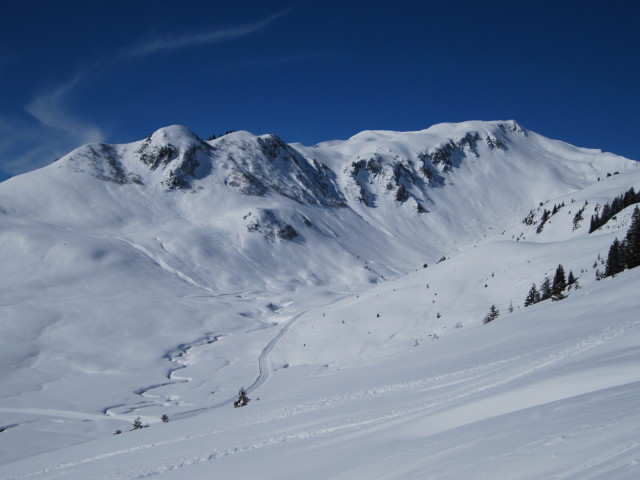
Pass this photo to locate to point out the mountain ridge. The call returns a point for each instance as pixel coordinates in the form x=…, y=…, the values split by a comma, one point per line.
x=118, y=256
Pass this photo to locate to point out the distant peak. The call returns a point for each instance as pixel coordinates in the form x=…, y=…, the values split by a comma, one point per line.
x=511, y=125
x=174, y=134
x=236, y=135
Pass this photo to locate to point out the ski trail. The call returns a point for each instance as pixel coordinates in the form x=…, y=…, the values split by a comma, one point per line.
x=264, y=368
x=54, y=413
x=263, y=360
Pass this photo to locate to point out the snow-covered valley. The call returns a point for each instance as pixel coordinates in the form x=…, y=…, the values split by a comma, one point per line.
x=343, y=285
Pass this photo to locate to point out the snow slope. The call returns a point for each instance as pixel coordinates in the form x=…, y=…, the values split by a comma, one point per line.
x=160, y=276
x=507, y=399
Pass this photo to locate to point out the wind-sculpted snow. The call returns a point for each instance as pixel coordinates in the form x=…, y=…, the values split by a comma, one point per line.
x=343, y=286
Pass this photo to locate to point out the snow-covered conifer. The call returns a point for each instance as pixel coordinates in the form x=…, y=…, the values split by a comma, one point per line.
x=533, y=296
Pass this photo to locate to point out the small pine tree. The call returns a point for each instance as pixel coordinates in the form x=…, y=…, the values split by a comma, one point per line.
x=599, y=275
x=492, y=315
x=559, y=282
x=533, y=296
x=242, y=400
x=615, y=259
x=578, y=218
x=632, y=240
x=571, y=279
x=511, y=307
x=137, y=424
x=545, y=216
x=164, y=418
x=545, y=289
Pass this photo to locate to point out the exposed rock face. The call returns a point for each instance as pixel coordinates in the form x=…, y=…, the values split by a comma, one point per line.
x=270, y=225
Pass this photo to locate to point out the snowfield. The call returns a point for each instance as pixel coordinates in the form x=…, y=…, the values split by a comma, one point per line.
x=343, y=285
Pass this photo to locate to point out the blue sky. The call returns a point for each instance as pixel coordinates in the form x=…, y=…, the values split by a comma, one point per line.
x=74, y=72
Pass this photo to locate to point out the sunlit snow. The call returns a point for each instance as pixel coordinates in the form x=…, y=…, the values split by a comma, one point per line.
x=343, y=285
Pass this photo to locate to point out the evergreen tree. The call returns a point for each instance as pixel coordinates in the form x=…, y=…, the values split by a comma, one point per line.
x=242, y=400
x=532, y=297
x=137, y=424
x=492, y=315
x=571, y=279
x=599, y=275
x=545, y=289
x=606, y=214
x=578, y=218
x=629, y=197
x=545, y=216
x=615, y=259
x=632, y=240
x=559, y=281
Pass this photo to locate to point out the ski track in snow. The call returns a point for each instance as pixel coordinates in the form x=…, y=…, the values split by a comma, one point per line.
x=53, y=413
x=264, y=372
x=349, y=423
x=263, y=360
x=264, y=366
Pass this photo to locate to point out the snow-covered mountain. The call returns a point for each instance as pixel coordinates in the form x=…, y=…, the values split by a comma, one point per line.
x=160, y=276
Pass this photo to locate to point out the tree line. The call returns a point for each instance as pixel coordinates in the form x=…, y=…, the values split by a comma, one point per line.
x=624, y=254
x=609, y=210
x=551, y=289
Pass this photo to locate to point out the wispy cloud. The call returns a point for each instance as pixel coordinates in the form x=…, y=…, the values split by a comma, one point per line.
x=50, y=109
x=50, y=130
x=217, y=35
x=26, y=144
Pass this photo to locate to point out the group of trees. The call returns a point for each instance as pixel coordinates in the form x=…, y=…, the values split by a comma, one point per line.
x=492, y=315
x=609, y=210
x=556, y=208
x=214, y=136
x=551, y=289
x=577, y=218
x=546, y=215
x=626, y=253
x=137, y=424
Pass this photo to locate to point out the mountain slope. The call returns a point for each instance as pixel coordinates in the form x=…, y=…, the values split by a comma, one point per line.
x=547, y=391
x=160, y=276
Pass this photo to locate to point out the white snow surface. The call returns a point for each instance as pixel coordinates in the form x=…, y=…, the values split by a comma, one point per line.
x=161, y=276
